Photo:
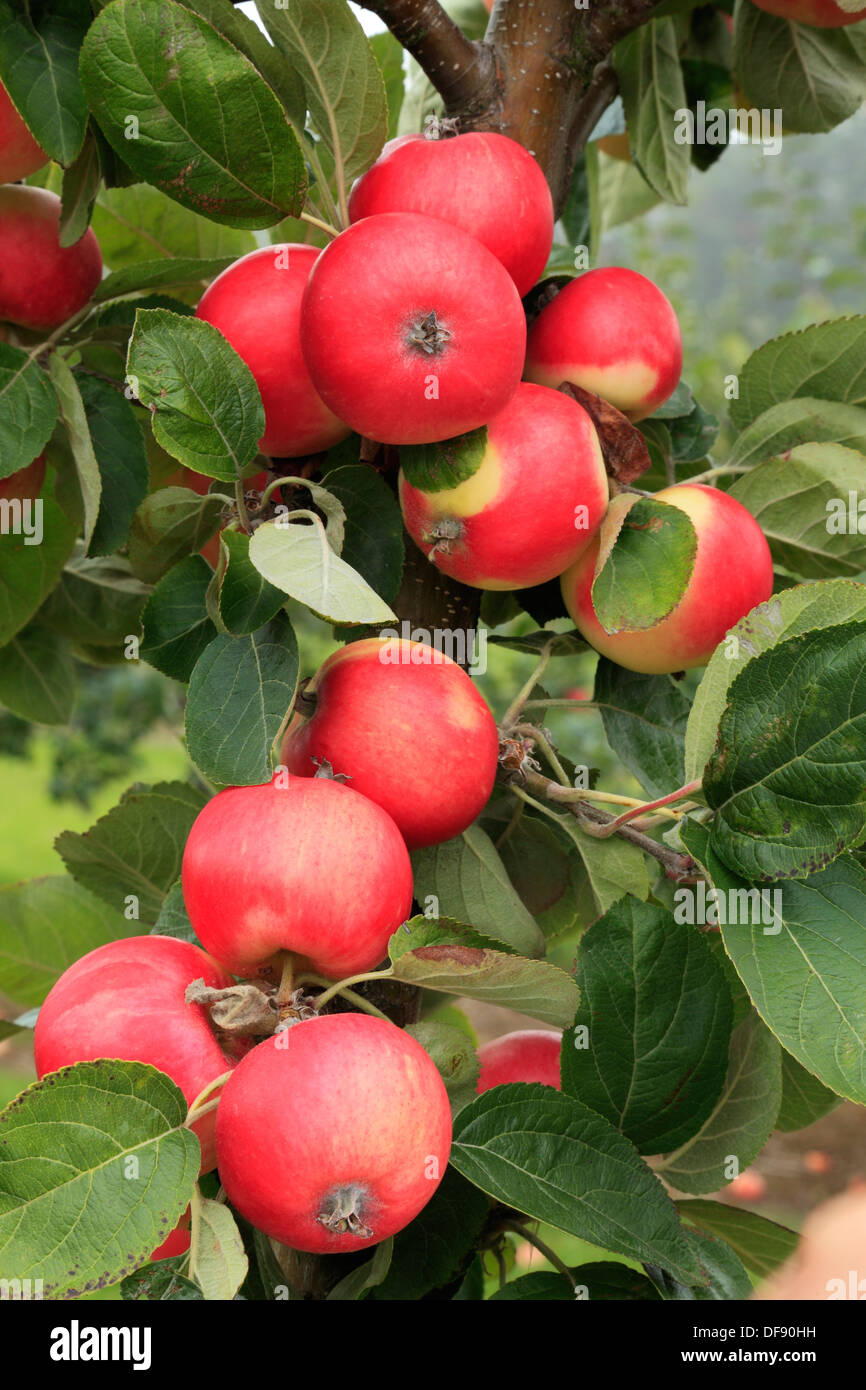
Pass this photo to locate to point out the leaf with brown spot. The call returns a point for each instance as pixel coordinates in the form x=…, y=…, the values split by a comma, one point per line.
x=625, y=451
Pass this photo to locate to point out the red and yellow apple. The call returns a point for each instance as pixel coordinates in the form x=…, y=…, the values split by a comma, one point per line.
x=485, y=183
x=20, y=154
x=333, y=1135
x=126, y=1000
x=533, y=490
x=820, y=14
x=301, y=865
x=732, y=573
x=409, y=728
x=42, y=284
x=256, y=305
x=412, y=331
x=611, y=331
x=530, y=1054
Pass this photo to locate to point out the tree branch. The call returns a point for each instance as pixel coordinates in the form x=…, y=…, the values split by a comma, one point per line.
x=459, y=69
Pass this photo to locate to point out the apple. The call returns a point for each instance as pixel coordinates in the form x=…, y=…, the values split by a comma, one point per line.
x=530, y=1054
x=305, y=865
x=256, y=305
x=333, y=1135
x=611, y=331
x=409, y=728
x=485, y=183
x=411, y=329
x=750, y=1186
x=42, y=284
x=732, y=573
x=126, y=1000
x=20, y=155
x=532, y=490
x=820, y=14
x=176, y=1242
x=27, y=482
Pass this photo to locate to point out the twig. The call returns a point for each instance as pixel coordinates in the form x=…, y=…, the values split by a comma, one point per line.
x=457, y=67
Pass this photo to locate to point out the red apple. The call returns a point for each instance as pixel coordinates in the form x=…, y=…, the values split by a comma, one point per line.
x=20, y=155
x=412, y=330
x=750, y=1186
x=820, y=14
x=303, y=865
x=533, y=490
x=42, y=284
x=611, y=331
x=176, y=1242
x=256, y=305
x=409, y=728
x=485, y=183
x=27, y=482
x=126, y=1000
x=333, y=1135
x=530, y=1054
x=733, y=572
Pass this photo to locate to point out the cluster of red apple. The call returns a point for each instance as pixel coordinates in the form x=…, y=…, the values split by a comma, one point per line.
x=335, y=1131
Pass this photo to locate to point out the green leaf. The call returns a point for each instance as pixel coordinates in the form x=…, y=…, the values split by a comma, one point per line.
x=642, y=574
x=534, y=643
x=455, y=1057
x=432, y=1250
x=647, y=63
x=804, y=421
x=149, y=275
x=209, y=130
x=806, y=505
x=173, y=919
x=762, y=1245
x=119, y=451
x=787, y=778
x=298, y=559
x=239, y=694
x=545, y=870
x=613, y=867
x=29, y=570
x=46, y=924
x=161, y=1283
x=218, y=1261
x=554, y=1159
x=468, y=880
x=815, y=76
x=28, y=409
x=364, y=1277
x=98, y=602
x=806, y=971
x=644, y=719
x=81, y=184
x=167, y=526
x=444, y=464
x=95, y=1167
x=39, y=69
x=374, y=528
x=804, y=1098
x=743, y=1117
x=449, y=956
x=245, y=34
x=135, y=849
x=724, y=1274
x=326, y=46
x=787, y=614
x=650, y=1040
x=37, y=677
x=175, y=621
x=605, y=1280
x=73, y=416
x=208, y=413
x=136, y=225
x=826, y=361
x=389, y=55
x=246, y=599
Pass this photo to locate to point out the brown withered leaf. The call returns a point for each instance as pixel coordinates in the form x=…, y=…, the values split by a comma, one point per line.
x=626, y=455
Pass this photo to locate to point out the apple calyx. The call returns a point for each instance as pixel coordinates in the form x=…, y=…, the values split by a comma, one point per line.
x=446, y=530
x=429, y=334
x=325, y=769
x=242, y=1008
x=341, y=1211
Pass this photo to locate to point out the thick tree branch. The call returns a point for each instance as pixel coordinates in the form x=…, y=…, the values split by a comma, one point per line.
x=460, y=70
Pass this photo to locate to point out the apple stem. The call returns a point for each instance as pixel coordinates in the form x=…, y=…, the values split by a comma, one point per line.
x=713, y=473
x=320, y=223
x=640, y=809
x=287, y=981
x=341, y=987
x=198, y=1106
x=512, y=714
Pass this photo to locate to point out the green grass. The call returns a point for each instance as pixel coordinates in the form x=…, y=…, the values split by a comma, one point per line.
x=30, y=820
